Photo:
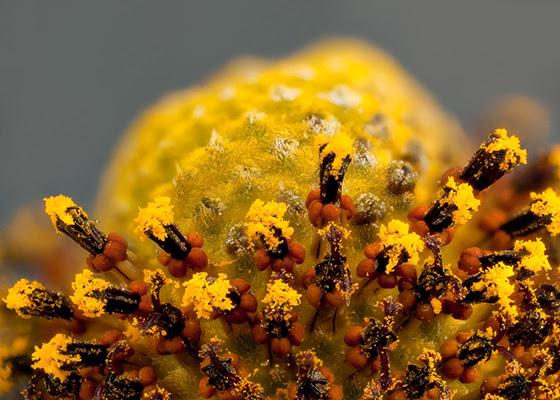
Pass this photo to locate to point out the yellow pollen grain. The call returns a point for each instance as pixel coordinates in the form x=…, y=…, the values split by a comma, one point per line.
x=515, y=155
x=206, y=295
x=267, y=222
x=547, y=204
x=57, y=208
x=396, y=239
x=497, y=281
x=84, y=285
x=154, y=218
x=50, y=359
x=341, y=145
x=461, y=196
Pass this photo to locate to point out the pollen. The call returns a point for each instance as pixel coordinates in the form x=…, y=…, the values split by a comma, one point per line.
x=547, y=204
x=267, y=223
x=85, y=286
x=536, y=260
x=514, y=156
x=461, y=196
x=280, y=296
x=60, y=208
x=207, y=294
x=19, y=296
x=396, y=239
x=154, y=218
x=498, y=282
x=50, y=356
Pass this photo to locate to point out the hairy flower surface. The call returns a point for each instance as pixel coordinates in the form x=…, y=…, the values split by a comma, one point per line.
x=318, y=231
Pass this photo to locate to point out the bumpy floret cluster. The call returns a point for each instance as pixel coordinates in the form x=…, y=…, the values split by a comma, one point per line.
x=333, y=265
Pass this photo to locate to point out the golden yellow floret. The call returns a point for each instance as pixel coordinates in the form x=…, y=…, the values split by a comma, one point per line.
x=462, y=197
x=341, y=145
x=281, y=296
x=50, y=358
x=57, y=208
x=547, y=204
x=84, y=286
x=267, y=222
x=19, y=296
x=207, y=294
x=154, y=218
x=537, y=260
x=515, y=155
x=396, y=239
x=498, y=282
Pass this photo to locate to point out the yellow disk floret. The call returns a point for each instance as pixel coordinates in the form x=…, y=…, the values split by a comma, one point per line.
x=50, y=356
x=154, y=218
x=207, y=294
x=57, y=207
x=536, y=260
x=514, y=156
x=547, y=204
x=84, y=286
x=267, y=223
x=341, y=145
x=281, y=296
x=396, y=239
x=462, y=197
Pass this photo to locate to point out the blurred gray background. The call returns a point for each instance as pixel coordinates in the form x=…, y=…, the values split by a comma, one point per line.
x=74, y=74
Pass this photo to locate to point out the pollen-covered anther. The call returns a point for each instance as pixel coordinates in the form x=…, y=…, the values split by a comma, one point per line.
x=95, y=297
x=463, y=356
x=455, y=206
x=210, y=296
x=272, y=235
x=156, y=222
x=543, y=212
x=277, y=322
x=313, y=377
x=372, y=341
x=61, y=355
x=32, y=299
x=71, y=220
x=392, y=258
x=497, y=156
x=330, y=281
x=327, y=203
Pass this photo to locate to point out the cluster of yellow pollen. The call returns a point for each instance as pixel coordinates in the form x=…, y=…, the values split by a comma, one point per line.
x=57, y=208
x=281, y=296
x=396, y=238
x=536, y=260
x=267, y=222
x=19, y=296
x=50, y=356
x=497, y=281
x=462, y=197
x=547, y=204
x=207, y=295
x=341, y=145
x=84, y=285
x=514, y=153
x=154, y=218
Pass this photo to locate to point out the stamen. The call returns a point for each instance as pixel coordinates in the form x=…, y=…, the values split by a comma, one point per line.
x=32, y=299
x=544, y=212
x=495, y=158
x=269, y=227
x=156, y=222
x=456, y=205
x=397, y=246
x=335, y=154
x=94, y=296
x=70, y=219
